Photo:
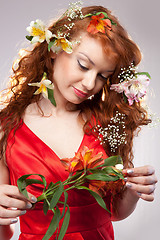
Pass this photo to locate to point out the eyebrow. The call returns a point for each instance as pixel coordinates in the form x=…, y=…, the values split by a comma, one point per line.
x=93, y=62
x=88, y=58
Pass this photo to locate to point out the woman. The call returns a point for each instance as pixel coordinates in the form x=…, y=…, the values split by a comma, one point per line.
x=87, y=55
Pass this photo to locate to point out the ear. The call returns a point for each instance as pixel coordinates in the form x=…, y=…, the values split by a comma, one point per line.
x=52, y=54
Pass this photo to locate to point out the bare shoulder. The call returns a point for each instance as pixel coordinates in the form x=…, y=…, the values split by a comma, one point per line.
x=38, y=109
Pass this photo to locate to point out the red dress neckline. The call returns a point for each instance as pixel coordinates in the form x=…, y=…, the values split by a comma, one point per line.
x=45, y=144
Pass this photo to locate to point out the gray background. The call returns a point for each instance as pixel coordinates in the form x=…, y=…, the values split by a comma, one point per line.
x=141, y=19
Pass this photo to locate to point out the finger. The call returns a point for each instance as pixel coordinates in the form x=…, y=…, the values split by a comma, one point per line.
x=146, y=189
x=14, y=192
x=8, y=221
x=144, y=180
x=146, y=197
x=139, y=171
x=11, y=213
x=14, y=203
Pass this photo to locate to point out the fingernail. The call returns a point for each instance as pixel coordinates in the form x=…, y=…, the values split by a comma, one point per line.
x=125, y=179
x=34, y=199
x=28, y=205
x=129, y=171
x=139, y=194
x=23, y=212
x=14, y=220
x=13, y=208
x=129, y=185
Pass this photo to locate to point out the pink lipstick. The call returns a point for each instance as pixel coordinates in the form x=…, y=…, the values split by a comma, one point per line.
x=80, y=93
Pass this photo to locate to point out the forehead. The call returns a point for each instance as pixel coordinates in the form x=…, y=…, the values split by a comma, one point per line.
x=96, y=50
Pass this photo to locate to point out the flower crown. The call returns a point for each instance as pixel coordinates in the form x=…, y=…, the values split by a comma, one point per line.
x=39, y=33
x=132, y=84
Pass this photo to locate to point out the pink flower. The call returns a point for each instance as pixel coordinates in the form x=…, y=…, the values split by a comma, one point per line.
x=134, y=89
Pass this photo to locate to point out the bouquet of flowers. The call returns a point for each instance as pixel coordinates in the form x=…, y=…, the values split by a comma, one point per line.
x=86, y=171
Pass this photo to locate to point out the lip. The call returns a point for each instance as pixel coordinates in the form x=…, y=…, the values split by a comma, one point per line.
x=80, y=93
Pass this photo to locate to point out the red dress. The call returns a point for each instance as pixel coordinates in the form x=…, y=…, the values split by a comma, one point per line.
x=26, y=153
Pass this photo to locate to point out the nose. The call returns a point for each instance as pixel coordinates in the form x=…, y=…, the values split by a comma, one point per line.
x=89, y=81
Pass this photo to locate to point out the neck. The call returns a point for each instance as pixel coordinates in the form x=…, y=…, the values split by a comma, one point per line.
x=62, y=107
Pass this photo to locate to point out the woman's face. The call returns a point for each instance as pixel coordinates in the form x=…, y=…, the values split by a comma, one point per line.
x=83, y=72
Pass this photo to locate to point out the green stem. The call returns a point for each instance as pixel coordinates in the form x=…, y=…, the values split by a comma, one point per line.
x=76, y=180
x=50, y=191
x=76, y=185
x=41, y=197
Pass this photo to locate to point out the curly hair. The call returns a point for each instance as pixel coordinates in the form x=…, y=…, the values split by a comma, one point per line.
x=116, y=44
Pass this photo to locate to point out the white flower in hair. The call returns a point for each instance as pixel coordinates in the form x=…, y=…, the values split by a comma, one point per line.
x=61, y=43
x=38, y=32
x=42, y=86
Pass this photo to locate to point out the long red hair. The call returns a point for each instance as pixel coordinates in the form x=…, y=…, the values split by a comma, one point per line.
x=117, y=45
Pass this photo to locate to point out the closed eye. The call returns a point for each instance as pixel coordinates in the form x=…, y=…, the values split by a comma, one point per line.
x=102, y=77
x=82, y=66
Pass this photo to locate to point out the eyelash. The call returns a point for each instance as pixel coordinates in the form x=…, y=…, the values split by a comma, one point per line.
x=85, y=68
x=81, y=66
x=104, y=78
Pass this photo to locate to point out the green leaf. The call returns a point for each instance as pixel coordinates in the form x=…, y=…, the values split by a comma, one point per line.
x=112, y=161
x=29, y=38
x=56, y=196
x=98, y=198
x=88, y=15
x=125, y=98
x=51, y=185
x=105, y=14
x=64, y=224
x=45, y=207
x=50, y=45
x=102, y=177
x=119, y=174
x=33, y=181
x=113, y=23
x=76, y=176
x=51, y=96
x=53, y=225
x=23, y=182
x=65, y=202
x=144, y=73
x=109, y=170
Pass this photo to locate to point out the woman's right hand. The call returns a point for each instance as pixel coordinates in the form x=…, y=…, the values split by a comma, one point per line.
x=13, y=204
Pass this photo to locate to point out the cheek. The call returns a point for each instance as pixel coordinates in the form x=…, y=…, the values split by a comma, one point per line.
x=60, y=70
x=99, y=86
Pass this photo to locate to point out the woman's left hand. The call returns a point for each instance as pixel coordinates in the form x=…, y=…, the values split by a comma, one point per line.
x=142, y=181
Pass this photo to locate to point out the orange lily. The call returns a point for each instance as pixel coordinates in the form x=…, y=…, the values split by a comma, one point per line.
x=98, y=24
x=116, y=186
x=88, y=159
x=71, y=164
x=98, y=186
x=83, y=159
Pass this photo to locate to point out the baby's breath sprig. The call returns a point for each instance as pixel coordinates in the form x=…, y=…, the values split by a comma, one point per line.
x=114, y=133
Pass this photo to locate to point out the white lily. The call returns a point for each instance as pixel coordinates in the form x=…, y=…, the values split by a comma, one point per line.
x=119, y=166
x=39, y=32
x=42, y=86
x=61, y=43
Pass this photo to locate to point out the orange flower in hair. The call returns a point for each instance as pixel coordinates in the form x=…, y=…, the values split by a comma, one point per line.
x=98, y=23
